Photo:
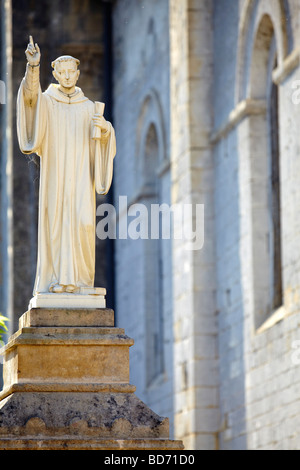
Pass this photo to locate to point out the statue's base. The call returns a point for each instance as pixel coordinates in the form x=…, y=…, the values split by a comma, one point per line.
x=66, y=386
x=88, y=444
x=86, y=297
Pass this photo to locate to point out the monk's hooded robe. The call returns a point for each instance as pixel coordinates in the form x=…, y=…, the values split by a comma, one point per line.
x=58, y=128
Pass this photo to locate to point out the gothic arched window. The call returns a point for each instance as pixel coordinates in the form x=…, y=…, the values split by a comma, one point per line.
x=152, y=262
x=152, y=190
x=265, y=176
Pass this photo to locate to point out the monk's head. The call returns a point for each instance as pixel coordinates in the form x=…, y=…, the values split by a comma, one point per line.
x=66, y=71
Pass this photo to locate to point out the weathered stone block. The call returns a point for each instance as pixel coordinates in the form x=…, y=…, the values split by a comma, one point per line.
x=67, y=317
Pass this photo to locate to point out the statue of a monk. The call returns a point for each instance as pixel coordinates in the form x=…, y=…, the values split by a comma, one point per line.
x=58, y=126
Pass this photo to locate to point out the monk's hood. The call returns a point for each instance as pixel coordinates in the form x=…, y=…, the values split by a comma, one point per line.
x=54, y=92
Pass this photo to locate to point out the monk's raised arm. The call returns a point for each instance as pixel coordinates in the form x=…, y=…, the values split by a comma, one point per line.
x=32, y=74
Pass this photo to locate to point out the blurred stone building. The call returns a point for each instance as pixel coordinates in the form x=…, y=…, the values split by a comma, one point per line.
x=204, y=99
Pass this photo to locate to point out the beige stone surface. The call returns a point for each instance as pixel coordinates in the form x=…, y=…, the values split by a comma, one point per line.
x=66, y=386
x=56, y=363
x=67, y=317
x=81, y=354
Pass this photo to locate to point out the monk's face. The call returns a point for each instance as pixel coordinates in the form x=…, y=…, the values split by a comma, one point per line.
x=66, y=73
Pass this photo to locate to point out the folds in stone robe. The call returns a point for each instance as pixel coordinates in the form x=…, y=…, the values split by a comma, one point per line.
x=58, y=128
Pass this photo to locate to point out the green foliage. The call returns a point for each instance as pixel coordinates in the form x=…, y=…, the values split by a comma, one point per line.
x=3, y=327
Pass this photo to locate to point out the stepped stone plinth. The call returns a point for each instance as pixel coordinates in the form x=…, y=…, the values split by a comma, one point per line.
x=66, y=386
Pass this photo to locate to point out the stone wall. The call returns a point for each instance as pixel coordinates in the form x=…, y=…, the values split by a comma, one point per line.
x=228, y=375
x=141, y=107
x=259, y=383
x=196, y=357
x=227, y=209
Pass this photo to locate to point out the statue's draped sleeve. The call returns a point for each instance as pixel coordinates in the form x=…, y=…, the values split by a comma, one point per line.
x=31, y=113
x=105, y=152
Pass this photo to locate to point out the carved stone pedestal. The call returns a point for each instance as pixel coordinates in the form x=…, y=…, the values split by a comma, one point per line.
x=66, y=386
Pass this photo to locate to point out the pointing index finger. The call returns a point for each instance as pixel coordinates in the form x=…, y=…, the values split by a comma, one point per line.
x=31, y=40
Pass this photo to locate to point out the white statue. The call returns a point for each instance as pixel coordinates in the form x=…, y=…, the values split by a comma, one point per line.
x=76, y=146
